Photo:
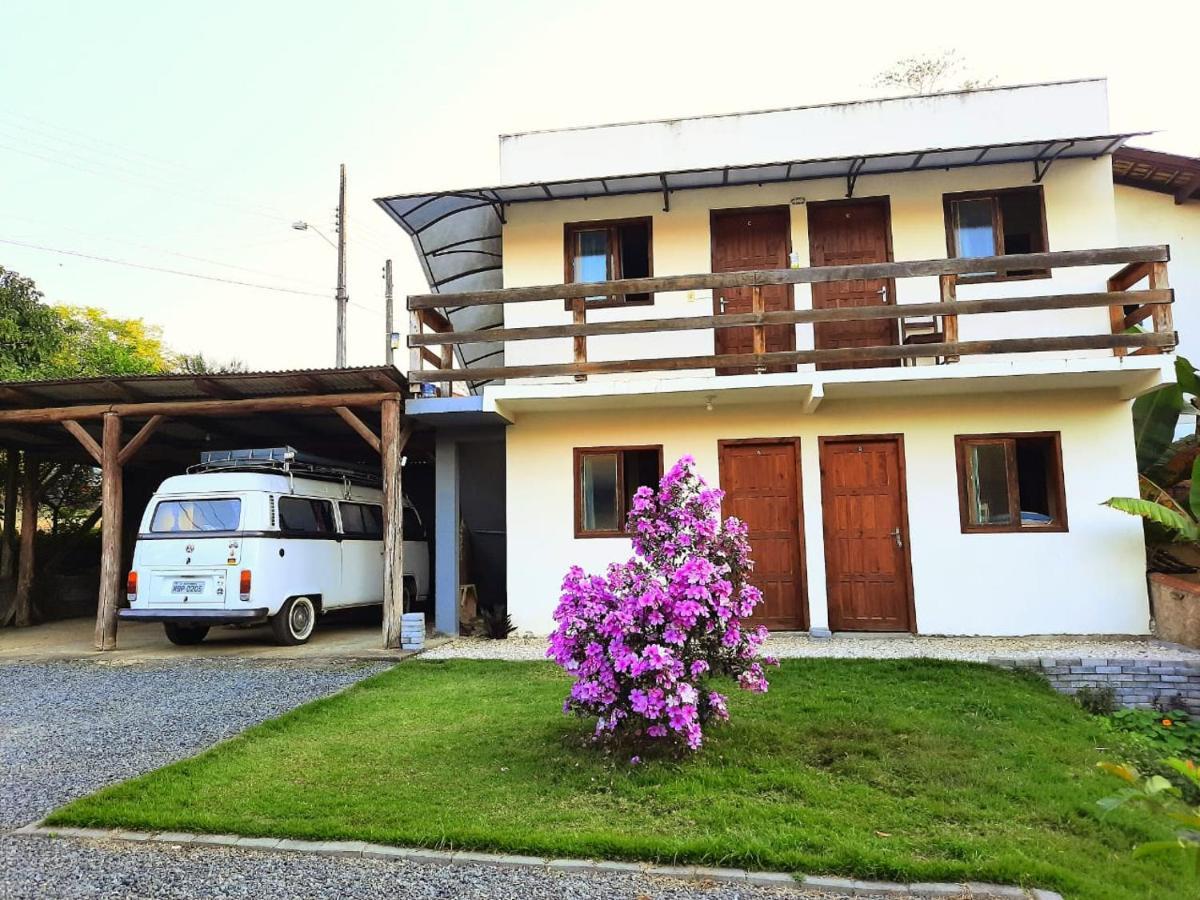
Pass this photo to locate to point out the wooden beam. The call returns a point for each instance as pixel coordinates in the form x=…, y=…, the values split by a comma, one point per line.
x=811, y=275
x=1127, y=276
x=1185, y=193
x=827, y=357
x=139, y=440
x=111, y=498
x=392, y=445
x=23, y=601
x=360, y=428
x=579, y=342
x=89, y=442
x=810, y=316
x=196, y=407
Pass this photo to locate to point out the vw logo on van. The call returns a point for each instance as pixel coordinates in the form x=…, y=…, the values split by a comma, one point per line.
x=190, y=548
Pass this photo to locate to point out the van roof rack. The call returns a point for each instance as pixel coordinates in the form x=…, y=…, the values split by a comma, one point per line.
x=286, y=461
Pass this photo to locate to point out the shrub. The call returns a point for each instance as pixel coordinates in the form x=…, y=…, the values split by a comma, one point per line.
x=1099, y=701
x=644, y=639
x=495, y=624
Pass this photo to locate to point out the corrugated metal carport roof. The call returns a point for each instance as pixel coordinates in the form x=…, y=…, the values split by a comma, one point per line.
x=180, y=439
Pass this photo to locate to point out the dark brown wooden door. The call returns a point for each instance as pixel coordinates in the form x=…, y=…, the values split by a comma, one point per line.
x=751, y=239
x=866, y=534
x=761, y=481
x=849, y=233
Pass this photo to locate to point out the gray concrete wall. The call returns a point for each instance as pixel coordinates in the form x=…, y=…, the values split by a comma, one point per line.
x=1140, y=683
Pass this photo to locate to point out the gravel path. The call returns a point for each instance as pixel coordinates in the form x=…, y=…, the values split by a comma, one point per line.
x=792, y=646
x=70, y=869
x=68, y=728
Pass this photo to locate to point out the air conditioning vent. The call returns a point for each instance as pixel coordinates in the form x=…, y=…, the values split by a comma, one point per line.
x=271, y=508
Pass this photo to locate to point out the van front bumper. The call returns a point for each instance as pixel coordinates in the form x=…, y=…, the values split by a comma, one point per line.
x=195, y=616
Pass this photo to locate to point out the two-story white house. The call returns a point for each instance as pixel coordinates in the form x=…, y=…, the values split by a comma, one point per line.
x=902, y=335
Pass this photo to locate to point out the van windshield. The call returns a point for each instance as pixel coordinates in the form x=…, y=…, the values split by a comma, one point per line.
x=198, y=514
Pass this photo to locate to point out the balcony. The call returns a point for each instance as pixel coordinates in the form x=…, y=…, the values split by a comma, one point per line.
x=924, y=331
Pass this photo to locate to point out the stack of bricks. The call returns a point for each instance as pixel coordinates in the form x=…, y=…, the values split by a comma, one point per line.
x=1142, y=683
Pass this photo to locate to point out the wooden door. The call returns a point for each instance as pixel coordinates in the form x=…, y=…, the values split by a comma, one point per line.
x=866, y=534
x=850, y=233
x=751, y=239
x=761, y=481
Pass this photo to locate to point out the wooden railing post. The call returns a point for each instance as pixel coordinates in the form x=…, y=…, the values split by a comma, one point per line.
x=579, y=317
x=948, y=286
x=1116, y=313
x=1164, y=320
x=758, y=307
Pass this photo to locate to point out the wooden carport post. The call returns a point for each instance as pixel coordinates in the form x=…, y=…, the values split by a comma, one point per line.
x=393, y=435
x=111, y=497
x=23, y=600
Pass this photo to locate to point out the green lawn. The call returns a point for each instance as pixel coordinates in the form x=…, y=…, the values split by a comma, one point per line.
x=908, y=770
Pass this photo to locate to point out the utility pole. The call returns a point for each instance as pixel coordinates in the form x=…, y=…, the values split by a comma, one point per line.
x=387, y=297
x=342, y=297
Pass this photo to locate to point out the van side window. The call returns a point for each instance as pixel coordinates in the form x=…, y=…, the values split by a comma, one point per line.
x=304, y=515
x=413, y=529
x=362, y=519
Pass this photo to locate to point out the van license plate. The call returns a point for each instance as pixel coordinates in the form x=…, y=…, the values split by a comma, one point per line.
x=187, y=587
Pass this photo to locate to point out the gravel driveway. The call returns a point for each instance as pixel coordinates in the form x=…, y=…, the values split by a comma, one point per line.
x=68, y=728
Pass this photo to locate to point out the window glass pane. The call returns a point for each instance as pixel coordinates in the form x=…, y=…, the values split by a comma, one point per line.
x=305, y=516
x=641, y=468
x=1021, y=212
x=974, y=231
x=197, y=515
x=591, y=255
x=1037, y=481
x=987, y=485
x=413, y=530
x=598, y=487
x=352, y=518
x=373, y=521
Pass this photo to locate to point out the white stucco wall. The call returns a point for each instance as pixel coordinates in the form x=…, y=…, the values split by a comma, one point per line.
x=959, y=119
x=1147, y=217
x=1079, y=215
x=1090, y=579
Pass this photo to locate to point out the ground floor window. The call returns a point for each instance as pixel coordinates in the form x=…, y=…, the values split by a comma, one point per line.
x=606, y=479
x=1011, y=482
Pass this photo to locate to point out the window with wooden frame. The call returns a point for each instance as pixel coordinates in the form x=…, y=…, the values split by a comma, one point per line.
x=606, y=478
x=605, y=251
x=1011, y=482
x=996, y=223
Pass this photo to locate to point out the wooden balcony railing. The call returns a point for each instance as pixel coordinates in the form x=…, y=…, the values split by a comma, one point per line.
x=1128, y=310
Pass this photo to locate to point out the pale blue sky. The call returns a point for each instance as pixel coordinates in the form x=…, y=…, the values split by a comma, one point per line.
x=190, y=136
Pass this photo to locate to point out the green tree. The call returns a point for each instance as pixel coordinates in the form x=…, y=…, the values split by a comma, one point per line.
x=31, y=332
x=96, y=343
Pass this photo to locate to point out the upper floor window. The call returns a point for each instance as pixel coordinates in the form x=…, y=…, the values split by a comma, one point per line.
x=997, y=223
x=606, y=478
x=1011, y=482
x=604, y=251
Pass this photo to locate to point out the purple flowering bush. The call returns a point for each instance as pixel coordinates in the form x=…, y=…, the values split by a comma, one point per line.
x=643, y=640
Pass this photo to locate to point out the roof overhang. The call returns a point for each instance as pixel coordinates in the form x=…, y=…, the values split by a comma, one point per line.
x=457, y=232
x=1153, y=170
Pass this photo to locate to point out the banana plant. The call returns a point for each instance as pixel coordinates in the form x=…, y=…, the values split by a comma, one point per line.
x=1158, y=506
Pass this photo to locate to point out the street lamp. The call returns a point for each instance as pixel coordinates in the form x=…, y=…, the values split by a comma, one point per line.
x=304, y=226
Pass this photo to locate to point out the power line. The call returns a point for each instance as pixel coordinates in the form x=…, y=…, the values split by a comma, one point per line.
x=165, y=271
x=149, y=268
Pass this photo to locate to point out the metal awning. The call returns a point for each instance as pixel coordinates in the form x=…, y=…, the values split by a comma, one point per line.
x=457, y=232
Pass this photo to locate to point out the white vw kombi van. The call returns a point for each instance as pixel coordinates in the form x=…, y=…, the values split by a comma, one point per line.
x=275, y=535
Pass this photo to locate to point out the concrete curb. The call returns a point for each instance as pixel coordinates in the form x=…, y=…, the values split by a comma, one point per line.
x=360, y=849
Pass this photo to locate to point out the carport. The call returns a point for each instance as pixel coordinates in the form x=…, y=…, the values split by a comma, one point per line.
x=138, y=429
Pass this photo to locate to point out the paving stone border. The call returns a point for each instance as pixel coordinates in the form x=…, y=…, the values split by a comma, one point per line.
x=1140, y=683
x=838, y=886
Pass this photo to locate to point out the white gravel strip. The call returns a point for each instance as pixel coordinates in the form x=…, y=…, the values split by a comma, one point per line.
x=801, y=646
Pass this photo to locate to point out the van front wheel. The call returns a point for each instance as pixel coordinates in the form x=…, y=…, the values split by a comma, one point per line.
x=184, y=635
x=294, y=622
